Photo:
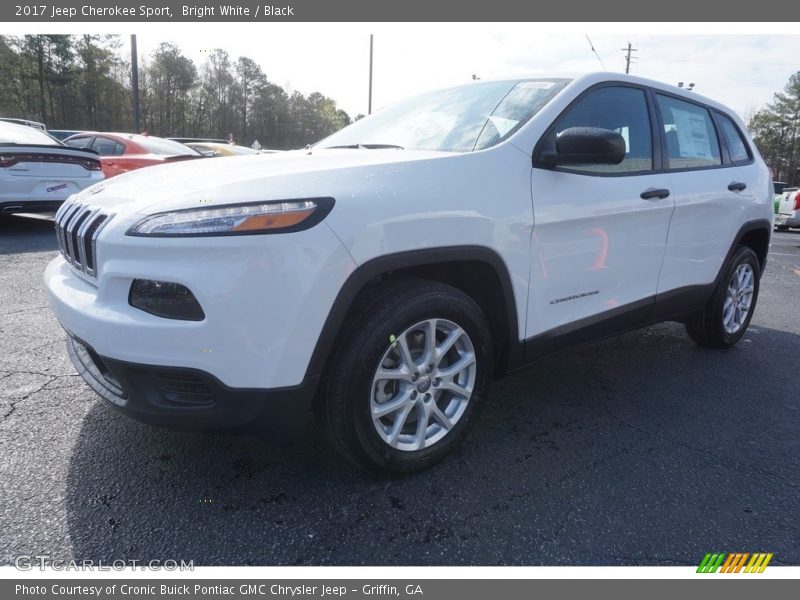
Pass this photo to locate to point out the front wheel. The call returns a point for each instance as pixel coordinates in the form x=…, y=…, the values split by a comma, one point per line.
x=725, y=318
x=407, y=377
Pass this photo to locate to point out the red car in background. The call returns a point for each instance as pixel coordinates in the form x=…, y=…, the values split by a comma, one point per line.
x=122, y=152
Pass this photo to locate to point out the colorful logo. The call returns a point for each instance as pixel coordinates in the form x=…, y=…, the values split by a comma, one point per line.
x=734, y=562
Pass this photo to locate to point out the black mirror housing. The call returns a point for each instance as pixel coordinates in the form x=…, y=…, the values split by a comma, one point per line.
x=586, y=146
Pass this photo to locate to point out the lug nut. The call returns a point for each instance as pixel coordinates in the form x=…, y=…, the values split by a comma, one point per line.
x=415, y=376
x=427, y=397
x=436, y=382
x=429, y=369
x=414, y=395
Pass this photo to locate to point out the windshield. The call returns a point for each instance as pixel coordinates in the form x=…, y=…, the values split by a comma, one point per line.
x=157, y=145
x=461, y=119
x=241, y=150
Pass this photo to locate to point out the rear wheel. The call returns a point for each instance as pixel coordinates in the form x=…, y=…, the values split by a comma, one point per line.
x=407, y=377
x=725, y=318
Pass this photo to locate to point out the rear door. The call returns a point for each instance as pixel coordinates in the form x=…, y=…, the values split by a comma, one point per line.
x=109, y=149
x=715, y=188
x=600, y=230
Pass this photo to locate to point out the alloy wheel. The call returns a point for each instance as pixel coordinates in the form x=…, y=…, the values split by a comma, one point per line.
x=738, y=298
x=423, y=384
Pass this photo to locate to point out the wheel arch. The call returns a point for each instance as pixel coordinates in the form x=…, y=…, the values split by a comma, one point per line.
x=464, y=267
x=756, y=235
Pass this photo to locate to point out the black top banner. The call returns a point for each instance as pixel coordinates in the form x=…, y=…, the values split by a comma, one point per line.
x=405, y=10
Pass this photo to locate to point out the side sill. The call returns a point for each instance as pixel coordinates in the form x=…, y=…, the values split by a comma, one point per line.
x=672, y=305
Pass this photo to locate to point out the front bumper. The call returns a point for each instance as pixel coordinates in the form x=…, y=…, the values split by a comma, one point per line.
x=265, y=301
x=189, y=399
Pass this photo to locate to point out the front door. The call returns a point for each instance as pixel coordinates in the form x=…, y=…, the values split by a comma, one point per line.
x=599, y=231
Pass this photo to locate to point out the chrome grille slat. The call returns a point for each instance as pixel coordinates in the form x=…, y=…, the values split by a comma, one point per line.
x=72, y=233
x=60, y=228
x=100, y=221
x=77, y=228
x=87, y=221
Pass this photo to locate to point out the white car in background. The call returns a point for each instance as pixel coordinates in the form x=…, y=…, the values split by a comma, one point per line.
x=37, y=173
x=383, y=276
x=787, y=209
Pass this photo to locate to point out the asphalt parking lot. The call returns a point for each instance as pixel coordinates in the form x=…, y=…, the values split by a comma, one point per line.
x=640, y=450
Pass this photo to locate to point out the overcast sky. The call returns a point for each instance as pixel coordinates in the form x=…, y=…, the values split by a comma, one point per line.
x=741, y=71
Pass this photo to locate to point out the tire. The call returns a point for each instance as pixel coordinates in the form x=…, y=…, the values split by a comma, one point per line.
x=721, y=324
x=400, y=316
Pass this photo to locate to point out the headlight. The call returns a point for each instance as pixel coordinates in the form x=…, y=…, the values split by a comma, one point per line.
x=236, y=219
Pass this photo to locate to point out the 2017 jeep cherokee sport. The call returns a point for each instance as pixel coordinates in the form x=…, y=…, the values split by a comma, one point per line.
x=383, y=276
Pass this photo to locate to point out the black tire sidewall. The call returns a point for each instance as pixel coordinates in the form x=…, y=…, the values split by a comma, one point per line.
x=742, y=255
x=451, y=306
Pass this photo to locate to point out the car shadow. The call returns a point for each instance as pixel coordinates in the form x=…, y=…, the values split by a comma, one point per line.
x=21, y=234
x=643, y=449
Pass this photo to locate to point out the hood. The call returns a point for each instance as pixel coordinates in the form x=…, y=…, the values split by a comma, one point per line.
x=227, y=180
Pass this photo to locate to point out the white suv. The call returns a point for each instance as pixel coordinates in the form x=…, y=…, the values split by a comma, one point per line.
x=382, y=277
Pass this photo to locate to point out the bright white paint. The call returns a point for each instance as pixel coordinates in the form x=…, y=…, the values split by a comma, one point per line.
x=266, y=297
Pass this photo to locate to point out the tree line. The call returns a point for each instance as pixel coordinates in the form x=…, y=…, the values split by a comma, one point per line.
x=83, y=82
x=776, y=132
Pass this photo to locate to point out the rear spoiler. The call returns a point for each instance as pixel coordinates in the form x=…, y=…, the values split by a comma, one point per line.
x=39, y=147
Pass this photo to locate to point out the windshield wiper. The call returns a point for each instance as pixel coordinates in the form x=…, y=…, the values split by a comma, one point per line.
x=366, y=146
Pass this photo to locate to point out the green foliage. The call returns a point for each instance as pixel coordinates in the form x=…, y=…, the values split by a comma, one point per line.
x=84, y=82
x=776, y=132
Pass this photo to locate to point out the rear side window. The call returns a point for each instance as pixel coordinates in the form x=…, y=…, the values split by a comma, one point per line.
x=620, y=109
x=737, y=147
x=106, y=147
x=82, y=142
x=691, y=137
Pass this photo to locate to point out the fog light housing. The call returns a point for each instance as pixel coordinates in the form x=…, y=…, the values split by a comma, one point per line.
x=165, y=299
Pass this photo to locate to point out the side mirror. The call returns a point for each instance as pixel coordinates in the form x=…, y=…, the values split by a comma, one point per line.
x=586, y=146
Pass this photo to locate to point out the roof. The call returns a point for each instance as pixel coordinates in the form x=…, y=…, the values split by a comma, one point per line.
x=592, y=78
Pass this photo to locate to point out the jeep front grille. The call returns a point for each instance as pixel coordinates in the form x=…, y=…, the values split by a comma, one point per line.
x=77, y=227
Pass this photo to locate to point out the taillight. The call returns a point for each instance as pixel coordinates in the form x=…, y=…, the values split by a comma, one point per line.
x=7, y=161
x=796, y=201
x=92, y=165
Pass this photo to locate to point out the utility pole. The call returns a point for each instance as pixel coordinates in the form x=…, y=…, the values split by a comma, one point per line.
x=369, y=108
x=628, y=57
x=135, y=83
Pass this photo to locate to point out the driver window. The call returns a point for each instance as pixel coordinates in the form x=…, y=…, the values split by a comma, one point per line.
x=620, y=109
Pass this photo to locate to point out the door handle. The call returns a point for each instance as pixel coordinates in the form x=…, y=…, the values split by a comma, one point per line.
x=654, y=194
x=737, y=186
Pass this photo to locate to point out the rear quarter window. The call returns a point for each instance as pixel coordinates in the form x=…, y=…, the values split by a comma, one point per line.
x=737, y=146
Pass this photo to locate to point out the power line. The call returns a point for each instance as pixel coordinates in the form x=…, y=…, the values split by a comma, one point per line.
x=597, y=54
x=628, y=57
